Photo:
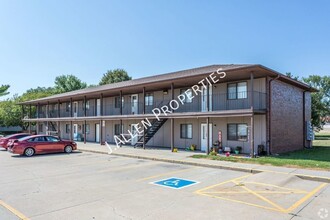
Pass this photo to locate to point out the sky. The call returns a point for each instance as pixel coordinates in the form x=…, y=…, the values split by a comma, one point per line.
x=40, y=40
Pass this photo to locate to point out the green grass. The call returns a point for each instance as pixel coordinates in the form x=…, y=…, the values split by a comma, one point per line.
x=316, y=158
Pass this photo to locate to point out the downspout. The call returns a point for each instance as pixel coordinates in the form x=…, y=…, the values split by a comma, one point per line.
x=269, y=112
x=304, y=119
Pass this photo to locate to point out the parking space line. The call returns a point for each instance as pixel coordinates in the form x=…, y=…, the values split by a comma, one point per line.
x=14, y=211
x=228, y=181
x=280, y=187
x=168, y=173
x=128, y=167
x=261, y=197
x=232, y=200
x=100, y=161
x=310, y=194
x=262, y=192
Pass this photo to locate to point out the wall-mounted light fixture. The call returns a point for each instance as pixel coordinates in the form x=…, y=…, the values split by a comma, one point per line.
x=165, y=91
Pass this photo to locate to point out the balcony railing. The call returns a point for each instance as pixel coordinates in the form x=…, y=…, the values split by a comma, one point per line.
x=218, y=102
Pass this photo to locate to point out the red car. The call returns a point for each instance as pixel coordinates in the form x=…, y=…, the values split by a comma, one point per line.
x=4, y=140
x=41, y=144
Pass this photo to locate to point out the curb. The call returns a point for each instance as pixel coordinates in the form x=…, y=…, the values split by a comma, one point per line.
x=241, y=169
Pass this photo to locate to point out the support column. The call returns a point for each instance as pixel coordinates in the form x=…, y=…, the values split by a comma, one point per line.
x=71, y=108
x=172, y=92
x=121, y=103
x=30, y=111
x=37, y=127
x=208, y=135
x=58, y=109
x=101, y=104
x=121, y=124
x=38, y=110
x=172, y=134
x=29, y=127
x=251, y=91
x=85, y=133
x=71, y=130
x=144, y=100
x=208, y=98
x=252, y=136
x=59, y=129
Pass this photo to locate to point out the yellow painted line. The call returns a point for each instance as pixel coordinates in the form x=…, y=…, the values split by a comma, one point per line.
x=218, y=184
x=280, y=187
x=263, y=192
x=14, y=211
x=262, y=198
x=168, y=173
x=129, y=167
x=310, y=194
x=311, y=176
x=232, y=200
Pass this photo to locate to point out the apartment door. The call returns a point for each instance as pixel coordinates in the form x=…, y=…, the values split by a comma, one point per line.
x=204, y=99
x=134, y=137
x=75, y=132
x=75, y=109
x=204, y=136
x=134, y=103
x=97, y=133
x=98, y=107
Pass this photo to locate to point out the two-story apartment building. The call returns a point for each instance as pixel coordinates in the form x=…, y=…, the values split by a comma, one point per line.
x=252, y=106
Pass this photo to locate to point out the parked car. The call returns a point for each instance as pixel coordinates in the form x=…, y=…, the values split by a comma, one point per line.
x=41, y=144
x=4, y=140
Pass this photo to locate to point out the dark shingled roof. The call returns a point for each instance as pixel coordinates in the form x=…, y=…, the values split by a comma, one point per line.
x=153, y=79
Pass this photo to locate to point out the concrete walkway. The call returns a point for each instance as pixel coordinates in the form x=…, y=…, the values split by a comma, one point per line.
x=183, y=157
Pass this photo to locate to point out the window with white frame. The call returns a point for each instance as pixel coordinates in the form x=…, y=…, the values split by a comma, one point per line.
x=187, y=94
x=149, y=99
x=237, y=132
x=237, y=90
x=186, y=131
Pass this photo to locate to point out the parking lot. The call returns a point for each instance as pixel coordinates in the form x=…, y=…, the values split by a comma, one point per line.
x=85, y=185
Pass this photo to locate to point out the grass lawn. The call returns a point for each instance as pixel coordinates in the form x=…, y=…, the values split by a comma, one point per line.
x=316, y=158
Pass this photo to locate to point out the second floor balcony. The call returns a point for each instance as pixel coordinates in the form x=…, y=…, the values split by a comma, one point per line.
x=132, y=106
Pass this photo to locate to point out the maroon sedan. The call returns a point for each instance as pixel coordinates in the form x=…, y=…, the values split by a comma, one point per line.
x=4, y=140
x=41, y=144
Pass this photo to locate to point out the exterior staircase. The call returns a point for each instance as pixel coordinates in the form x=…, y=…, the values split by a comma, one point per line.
x=151, y=131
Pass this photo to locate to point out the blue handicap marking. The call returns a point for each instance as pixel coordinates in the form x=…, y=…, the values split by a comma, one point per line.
x=174, y=182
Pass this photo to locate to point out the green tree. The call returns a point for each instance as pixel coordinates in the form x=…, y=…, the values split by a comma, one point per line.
x=37, y=93
x=67, y=83
x=10, y=112
x=289, y=74
x=114, y=76
x=4, y=89
x=320, y=100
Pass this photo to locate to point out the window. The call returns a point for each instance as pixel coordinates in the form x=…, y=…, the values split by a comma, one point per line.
x=41, y=128
x=237, y=132
x=67, y=106
x=149, y=99
x=117, y=129
x=87, y=128
x=186, y=131
x=117, y=101
x=52, y=139
x=237, y=90
x=67, y=128
x=37, y=139
x=188, y=95
x=87, y=105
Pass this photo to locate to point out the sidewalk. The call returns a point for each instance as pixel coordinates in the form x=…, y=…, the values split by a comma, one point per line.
x=183, y=157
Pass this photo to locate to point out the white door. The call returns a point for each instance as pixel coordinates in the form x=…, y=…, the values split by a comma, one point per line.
x=134, y=134
x=204, y=99
x=75, y=109
x=134, y=103
x=75, y=132
x=204, y=137
x=98, y=107
x=97, y=133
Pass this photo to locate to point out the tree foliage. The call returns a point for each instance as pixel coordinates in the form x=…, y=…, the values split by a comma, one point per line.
x=67, y=83
x=4, y=90
x=320, y=100
x=114, y=76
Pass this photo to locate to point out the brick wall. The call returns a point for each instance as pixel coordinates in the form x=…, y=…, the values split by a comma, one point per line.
x=287, y=122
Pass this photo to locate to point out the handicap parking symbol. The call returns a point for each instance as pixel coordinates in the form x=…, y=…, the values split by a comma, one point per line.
x=175, y=183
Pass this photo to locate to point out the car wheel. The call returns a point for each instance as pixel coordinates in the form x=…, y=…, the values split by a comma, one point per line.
x=68, y=149
x=29, y=152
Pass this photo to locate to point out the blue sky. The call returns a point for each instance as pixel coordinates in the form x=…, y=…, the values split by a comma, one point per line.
x=40, y=40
